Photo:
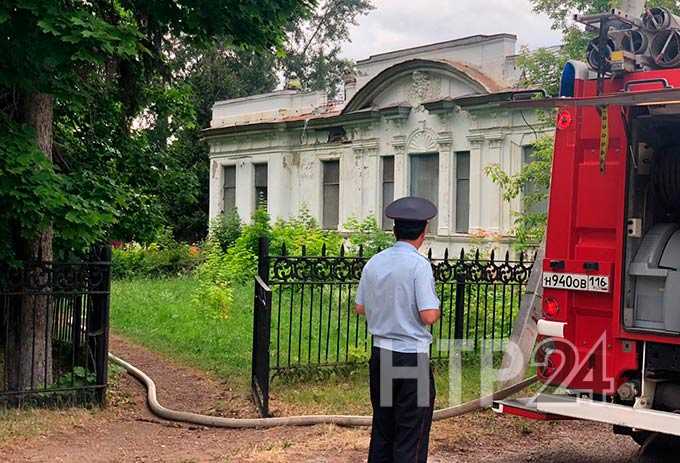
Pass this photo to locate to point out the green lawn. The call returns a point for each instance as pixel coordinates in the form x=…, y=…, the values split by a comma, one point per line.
x=160, y=314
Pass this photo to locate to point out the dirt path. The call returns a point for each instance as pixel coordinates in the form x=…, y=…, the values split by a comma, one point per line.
x=127, y=432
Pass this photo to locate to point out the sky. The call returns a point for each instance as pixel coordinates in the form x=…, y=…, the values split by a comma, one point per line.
x=397, y=24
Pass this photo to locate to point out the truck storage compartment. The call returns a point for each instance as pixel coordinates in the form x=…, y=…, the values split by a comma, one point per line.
x=657, y=279
x=652, y=279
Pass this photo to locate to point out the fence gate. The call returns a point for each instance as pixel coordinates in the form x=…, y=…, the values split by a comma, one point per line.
x=304, y=309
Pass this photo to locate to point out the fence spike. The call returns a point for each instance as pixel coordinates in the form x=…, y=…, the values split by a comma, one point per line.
x=477, y=255
x=361, y=250
x=304, y=250
x=342, y=250
x=493, y=256
x=446, y=254
x=462, y=254
x=507, y=256
x=429, y=254
x=283, y=249
x=323, y=249
x=521, y=257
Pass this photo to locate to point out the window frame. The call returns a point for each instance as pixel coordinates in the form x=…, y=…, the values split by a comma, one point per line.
x=387, y=223
x=462, y=180
x=225, y=168
x=324, y=185
x=257, y=188
x=434, y=223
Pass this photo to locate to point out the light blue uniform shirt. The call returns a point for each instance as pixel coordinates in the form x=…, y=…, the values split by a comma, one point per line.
x=396, y=284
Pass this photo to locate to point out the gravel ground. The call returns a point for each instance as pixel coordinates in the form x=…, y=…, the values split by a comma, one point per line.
x=127, y=432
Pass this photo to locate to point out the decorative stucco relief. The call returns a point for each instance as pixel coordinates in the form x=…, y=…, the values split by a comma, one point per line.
x=424, y=86
x=421, y=141
x=307, y=167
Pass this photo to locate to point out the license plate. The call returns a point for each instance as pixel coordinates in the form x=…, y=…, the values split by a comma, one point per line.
x=576, y=282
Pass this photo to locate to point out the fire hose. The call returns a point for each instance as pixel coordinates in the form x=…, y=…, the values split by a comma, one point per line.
x=340, y=420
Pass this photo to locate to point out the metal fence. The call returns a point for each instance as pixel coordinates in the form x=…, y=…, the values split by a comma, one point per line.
x=54, y=323
x=304, y=309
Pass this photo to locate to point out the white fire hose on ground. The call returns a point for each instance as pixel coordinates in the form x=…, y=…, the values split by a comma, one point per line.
x=524, y=336
x=341, y=420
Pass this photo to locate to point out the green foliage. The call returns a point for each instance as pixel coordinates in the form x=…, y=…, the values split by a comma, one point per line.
x=368, y=235
x=79, y=377
x=303, y=230
x=33, y=195
x=156, y=260
x=259, y=227
x=107, y=64
x=226, y=228
x=529, y=226
x=312, y=51
x=215, y=278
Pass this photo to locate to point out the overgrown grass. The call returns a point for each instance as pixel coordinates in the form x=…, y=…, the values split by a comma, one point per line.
x=161, y=315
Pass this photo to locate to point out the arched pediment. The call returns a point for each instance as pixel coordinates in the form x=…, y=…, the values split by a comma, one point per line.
x=419, y=80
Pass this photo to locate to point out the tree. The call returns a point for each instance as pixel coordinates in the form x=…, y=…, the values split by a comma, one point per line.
x=313, y=46
x=75, y=49
x=531, y=184
x=311, y=52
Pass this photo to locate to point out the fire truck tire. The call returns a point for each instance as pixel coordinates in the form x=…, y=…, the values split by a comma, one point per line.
x=341, y=420
x=641, y=437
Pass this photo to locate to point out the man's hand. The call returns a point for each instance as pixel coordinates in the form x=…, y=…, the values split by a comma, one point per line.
x=430, y=316
x=360, y=309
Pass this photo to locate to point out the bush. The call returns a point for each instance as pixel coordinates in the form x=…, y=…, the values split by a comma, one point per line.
x=301, y=231
x=369, y=235
x=226, y=228
x=154, y=261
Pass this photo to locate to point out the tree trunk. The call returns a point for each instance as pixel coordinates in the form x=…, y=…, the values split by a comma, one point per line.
x=30, y=337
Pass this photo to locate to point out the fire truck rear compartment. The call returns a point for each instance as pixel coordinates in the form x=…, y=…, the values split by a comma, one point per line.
x=652, y=286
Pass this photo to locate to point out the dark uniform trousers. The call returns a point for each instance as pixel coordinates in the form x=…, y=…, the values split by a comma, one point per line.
x=400, y=433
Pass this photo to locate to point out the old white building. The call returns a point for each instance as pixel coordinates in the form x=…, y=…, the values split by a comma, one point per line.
x=423, y=121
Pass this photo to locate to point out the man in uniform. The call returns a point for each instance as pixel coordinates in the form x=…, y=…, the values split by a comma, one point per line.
x=398, y=297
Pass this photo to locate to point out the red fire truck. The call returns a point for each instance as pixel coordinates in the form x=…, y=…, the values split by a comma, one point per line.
x=609, y=325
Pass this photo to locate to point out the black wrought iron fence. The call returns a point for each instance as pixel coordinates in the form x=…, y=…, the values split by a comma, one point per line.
x=54, y=321
x=310, y=306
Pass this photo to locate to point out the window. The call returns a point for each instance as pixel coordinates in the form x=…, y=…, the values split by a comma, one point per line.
x=538, y=205
x=331, y=194
x=462, y=192
x=425, y=180
x=387, y=189
x=229, y=194
x=260, y=185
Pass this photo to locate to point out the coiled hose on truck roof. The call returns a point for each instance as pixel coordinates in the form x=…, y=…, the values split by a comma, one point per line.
x=341, y=420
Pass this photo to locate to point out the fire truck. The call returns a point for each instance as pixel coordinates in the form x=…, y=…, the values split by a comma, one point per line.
x=608, y=322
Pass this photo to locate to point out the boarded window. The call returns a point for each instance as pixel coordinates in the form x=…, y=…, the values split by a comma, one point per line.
x=538, y=204
x=260, y=185
x=387, y=189
x=462, y=192
x=229, y=194
x=331, y=194
x=425, y=180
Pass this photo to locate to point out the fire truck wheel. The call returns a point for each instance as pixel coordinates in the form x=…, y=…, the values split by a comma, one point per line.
x=641, y=437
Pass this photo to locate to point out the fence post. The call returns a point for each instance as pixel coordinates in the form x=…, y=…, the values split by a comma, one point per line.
x=460, y=307
x=261, y=331
x=98, y=319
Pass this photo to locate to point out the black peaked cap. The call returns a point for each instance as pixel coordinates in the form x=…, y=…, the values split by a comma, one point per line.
x=411, y=208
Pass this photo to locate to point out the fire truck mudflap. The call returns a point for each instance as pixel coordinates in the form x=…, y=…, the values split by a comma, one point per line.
x=563, y=407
